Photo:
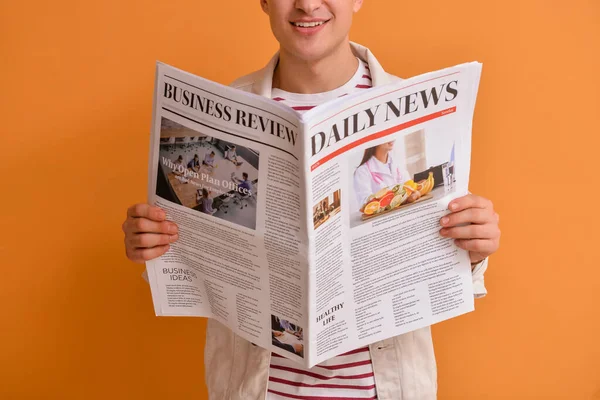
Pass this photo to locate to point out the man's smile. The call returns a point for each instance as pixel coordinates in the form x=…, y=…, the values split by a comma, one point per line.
x=307, y=26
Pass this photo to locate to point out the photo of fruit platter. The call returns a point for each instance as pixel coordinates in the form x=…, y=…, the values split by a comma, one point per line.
x=390, y=199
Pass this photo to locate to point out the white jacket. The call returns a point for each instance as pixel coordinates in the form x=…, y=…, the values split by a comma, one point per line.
x=404, y=366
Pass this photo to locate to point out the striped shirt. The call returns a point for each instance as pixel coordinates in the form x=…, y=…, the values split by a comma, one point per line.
x=349, y=375
x=304, y=102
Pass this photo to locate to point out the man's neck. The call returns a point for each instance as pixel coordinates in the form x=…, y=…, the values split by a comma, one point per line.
x=308, y=77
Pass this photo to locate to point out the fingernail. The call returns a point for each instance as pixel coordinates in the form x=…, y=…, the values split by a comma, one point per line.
x=445, y=221
x=160, y=214
x=453, y=206
x=443, y=232
x=172, y=228
x=173, y=238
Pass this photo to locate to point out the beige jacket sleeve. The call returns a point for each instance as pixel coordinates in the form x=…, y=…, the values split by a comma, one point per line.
x=479, y=289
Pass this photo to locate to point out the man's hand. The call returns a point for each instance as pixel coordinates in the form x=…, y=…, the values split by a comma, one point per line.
x=473, y=224
x=147, y=233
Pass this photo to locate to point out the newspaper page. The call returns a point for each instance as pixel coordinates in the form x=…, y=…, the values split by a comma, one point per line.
x=226, y=167
x=383, y=168
x=312, y=236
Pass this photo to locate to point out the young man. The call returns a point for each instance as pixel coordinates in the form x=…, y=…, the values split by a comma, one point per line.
x=315, y=63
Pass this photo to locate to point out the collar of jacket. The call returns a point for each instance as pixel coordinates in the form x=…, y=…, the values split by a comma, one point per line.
x=262, y=82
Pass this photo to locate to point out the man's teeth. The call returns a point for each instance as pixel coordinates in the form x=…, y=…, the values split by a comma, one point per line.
x=308, y=24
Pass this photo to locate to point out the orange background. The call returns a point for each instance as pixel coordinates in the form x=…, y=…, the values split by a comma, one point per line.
x=76, y=87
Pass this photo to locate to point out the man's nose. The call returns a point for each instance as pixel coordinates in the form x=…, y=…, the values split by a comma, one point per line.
x=308, y=6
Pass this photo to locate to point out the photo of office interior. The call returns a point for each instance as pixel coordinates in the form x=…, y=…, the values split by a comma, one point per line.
x=216, y=177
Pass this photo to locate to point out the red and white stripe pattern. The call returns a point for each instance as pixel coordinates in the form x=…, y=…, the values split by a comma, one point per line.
x=304, y=102
x=347, y=376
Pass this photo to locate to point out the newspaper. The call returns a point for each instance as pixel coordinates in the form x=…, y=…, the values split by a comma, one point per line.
x=318, y=234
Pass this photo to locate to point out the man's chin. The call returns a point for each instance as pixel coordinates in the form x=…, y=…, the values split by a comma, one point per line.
x=310, y=52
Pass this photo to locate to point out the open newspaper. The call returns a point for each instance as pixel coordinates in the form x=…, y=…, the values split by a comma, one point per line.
x=318, y=234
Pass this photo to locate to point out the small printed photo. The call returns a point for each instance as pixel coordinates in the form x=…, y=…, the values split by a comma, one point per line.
x=398, y=174
x=327, y=208
x=209, y=175
x=287, y=336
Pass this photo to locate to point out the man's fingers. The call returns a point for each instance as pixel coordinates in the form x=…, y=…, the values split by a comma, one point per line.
x=147, y=232
x=469, y=201
x=143, y=255
x=149, y=240
x=146, y=211
x=468, y=216
x=473, y=224
x=488, y=231
x=143, y=225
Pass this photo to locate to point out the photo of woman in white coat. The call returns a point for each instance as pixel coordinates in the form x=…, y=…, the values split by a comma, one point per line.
x=378, y=169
